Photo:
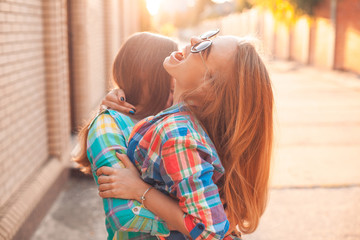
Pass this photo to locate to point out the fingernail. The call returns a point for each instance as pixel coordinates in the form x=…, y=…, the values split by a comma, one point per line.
x=122, y=98
x=132, y=112
x=133, y=109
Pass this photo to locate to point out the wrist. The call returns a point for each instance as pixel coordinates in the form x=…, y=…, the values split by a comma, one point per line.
x=141, y=189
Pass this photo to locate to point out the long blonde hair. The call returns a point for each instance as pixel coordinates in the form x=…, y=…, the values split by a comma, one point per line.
x=236, y=109
x=139, y=72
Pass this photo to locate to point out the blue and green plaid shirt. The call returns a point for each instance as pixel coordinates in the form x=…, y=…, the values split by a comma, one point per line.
x=125, y=219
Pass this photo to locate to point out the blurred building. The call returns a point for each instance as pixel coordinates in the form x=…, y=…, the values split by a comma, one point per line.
x=55, y=58
x=330, y=39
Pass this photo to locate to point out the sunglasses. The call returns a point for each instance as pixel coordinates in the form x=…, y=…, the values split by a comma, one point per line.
x=206, y=43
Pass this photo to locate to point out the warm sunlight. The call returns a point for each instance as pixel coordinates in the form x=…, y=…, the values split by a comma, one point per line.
x=153, y=6
x=220, y=1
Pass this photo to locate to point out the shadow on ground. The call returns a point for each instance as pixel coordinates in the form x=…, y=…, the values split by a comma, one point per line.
x=76, y=214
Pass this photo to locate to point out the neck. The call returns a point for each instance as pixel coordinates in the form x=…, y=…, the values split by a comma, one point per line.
x=137, y=115
x=178, y=91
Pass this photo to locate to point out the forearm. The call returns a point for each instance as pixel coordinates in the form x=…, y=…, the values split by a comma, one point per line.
x=122, y=216
x=164, y=207
x=192, y=183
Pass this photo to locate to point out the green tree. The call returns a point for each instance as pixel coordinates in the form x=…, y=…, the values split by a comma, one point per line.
x=289, y=10
x=241, y=5
x=305, y=6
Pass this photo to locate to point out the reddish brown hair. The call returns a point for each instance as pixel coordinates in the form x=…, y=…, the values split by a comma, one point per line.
x=236, y=109
x=138, y=70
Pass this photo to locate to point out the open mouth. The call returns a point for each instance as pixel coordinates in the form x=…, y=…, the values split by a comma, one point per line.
x=177, y=56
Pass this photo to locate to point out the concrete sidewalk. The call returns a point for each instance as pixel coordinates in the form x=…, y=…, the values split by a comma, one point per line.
x=316, y=172
x=76, y=214
x=317, y=126
x=315, y=188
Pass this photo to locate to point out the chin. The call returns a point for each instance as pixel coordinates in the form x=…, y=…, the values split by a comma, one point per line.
x=167, y=63
x=168, y=67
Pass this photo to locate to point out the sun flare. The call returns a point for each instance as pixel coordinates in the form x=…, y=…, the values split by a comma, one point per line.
x=153, y=6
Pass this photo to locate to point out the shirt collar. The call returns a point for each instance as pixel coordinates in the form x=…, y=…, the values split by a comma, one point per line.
x=180, y=107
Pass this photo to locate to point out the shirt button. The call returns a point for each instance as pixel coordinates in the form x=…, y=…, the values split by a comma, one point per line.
x=135, y=210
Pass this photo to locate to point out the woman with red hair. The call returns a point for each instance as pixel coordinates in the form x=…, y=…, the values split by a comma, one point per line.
x=223, y=106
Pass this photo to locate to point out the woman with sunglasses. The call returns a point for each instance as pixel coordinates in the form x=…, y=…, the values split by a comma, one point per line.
x=223, y=110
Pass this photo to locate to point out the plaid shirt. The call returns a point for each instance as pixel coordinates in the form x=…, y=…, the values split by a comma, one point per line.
x=175, y=155
x=125, y=219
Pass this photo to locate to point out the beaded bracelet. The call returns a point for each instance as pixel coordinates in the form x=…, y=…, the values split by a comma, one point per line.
x=143, y=196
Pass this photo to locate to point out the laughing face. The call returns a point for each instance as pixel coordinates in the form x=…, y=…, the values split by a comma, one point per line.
x=188, y=68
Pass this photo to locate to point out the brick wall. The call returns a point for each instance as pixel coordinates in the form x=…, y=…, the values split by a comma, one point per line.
x=299, y=49
x=23, y=125
x=282, y=40
x=87, y=39
x=34, y=89
x=113, y=34
x=36, y=97
x=347, y=50
x=330, y=39
x=268, y=31
x=129, y=17
x=246, y=23
x=322, y=37
x=97, y=29
x=57, y=77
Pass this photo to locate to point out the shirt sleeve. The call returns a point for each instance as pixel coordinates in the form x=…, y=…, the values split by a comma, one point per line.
x=105, y=138
x=188, y=174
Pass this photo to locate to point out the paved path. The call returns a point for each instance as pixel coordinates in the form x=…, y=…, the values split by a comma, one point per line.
x=76, y=214
x=318, y=127
x=316, y=172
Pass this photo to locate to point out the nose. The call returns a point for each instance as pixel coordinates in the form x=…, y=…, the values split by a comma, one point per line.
x=195, y=40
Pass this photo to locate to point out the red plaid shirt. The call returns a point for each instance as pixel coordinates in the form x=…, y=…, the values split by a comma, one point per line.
x=174, y=154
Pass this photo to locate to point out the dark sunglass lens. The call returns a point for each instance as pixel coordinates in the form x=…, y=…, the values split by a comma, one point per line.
x=209, y=34
x=200, y=46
